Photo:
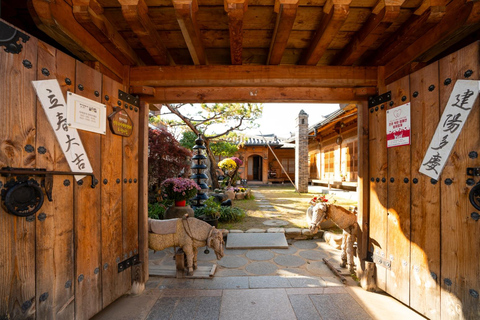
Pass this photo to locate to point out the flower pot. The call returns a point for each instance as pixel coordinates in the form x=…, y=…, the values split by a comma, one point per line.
x=211, y=221
x=180, y=203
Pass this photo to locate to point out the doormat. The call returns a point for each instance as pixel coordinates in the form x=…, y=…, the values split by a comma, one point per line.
x=256, y=241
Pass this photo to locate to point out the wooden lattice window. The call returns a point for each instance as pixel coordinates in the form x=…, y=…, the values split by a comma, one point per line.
x=329, y=160
x=352, y=159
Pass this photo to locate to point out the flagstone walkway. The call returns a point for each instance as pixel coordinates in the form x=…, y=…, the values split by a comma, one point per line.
x=291, y=283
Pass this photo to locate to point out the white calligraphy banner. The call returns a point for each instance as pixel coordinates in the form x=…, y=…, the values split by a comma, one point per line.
x=53, y=102
x=453, y=118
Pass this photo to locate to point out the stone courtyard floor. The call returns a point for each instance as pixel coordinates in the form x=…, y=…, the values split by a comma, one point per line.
x=291, y=283
x=288, y=283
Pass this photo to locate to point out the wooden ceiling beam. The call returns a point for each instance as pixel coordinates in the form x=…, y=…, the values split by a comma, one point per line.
x=256, y=94
x=335, y=14
x=186, y=12
x=461, y=18
x=410, y=31
x=56, y=19
x=383, y=15
x=286, y=13
x=265, y=76
x=235, y=10
x=89, y=13
x=135, y=13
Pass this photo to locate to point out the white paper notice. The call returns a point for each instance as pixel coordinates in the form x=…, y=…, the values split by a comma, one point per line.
x=86, y=114
x=398, y=126
x=53, y=102
x=453, y=118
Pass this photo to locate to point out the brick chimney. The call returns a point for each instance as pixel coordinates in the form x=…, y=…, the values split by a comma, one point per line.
x=301, y=152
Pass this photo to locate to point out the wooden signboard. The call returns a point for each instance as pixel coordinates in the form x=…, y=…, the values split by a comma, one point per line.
x=120, y=123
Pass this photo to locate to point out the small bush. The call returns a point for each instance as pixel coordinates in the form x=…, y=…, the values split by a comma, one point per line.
x=211, y=209
x=231, y=214
x=157, y=210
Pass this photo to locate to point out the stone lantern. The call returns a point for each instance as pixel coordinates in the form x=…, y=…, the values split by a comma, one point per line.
x=198, y=170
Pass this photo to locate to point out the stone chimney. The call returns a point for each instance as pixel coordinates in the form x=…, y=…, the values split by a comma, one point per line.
x=301, y=152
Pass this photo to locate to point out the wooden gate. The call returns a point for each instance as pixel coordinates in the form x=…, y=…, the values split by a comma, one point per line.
x=424, y=234
x=62, y=263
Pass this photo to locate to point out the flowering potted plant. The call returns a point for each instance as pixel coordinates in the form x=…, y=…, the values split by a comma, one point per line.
x=180, y=190
x=317, y=199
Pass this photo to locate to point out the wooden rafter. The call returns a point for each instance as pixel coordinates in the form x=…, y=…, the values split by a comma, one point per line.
x=422, y=21
x=335, y=14
x=381, y=18
x=256, y=94
x=461, y=18
x=135, y=13
x=186, y=11
x=57, y=20
x=245, y=76
x=89, y=13
x=286, y=13
x=235, y=10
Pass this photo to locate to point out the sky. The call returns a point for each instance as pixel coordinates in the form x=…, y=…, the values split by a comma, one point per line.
x=277, y=118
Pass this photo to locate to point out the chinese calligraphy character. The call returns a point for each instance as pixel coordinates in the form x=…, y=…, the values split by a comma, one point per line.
x=53, y=100
x=442, y=144
x=61, y=122
x=452, y=123
x=79, y=161
x=69, y=142
x=463, y=100
x=434, y=162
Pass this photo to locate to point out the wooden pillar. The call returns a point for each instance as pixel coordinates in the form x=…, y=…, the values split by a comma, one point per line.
x=140, y=275
x=363, y=189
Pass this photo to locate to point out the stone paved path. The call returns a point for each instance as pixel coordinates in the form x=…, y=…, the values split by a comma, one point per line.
x=291, y=283
x=258, y=284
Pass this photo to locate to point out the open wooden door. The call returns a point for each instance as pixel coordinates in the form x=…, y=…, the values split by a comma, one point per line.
x=72, y=258
x=425, y=233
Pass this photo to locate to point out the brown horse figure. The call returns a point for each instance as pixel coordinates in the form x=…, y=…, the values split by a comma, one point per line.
x=344, y=219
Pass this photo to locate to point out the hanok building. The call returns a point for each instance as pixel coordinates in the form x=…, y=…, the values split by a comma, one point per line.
x=333, y=149
x=266, y=159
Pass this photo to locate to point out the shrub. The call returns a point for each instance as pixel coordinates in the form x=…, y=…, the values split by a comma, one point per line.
x=231, y=214
x=211, y=210
x=156, y=211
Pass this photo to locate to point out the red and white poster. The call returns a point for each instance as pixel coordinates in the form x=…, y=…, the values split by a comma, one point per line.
x=398, y=126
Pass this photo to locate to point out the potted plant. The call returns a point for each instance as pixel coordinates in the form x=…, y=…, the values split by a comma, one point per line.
x=210, y=213
x=180, y=190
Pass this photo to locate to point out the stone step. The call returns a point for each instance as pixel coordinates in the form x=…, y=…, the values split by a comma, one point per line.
x=256, y=241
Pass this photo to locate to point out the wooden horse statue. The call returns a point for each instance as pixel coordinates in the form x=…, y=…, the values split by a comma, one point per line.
x=344, y=219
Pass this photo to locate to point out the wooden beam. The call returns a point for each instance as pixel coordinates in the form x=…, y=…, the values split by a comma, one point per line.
x=410, y=31
x=267, y=76
x=382, y=17
x=135, y=13
x=335, y=14
x=186, y=12
x=235, y=10
x=258, y=94
x=56, y=19
x=286, y=13
x=89, y=13
x=461, y=18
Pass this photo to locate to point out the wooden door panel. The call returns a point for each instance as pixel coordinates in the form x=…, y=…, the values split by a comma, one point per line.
x=130, y=187
x=54, y=245
x=460, y=233
x=425, y=196
x=17, y=149
x=398, y=221
x=114, y=283
x=378, y=189
x=88, y=272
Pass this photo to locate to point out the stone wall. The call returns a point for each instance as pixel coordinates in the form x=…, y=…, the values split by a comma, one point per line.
x=301, y=152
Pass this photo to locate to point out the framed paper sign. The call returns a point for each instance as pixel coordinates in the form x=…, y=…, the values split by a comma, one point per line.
x=398, y=126
x=86, y=114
